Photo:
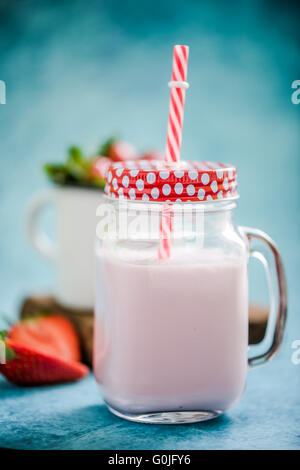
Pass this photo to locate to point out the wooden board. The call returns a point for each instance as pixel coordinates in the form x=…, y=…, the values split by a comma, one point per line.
x=84, y=321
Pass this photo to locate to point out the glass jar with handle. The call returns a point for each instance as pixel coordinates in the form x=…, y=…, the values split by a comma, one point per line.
x=171, y=325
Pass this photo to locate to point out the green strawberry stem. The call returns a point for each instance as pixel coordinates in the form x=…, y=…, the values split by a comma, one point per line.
x=105, y=148
x=3, y=335
x=9, y=353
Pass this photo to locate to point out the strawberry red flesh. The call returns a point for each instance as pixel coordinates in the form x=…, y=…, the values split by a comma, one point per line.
x=31, y=367
x=53, y=335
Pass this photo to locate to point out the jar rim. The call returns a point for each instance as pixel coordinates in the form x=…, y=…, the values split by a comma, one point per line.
x=215, y=205
x=188, y=182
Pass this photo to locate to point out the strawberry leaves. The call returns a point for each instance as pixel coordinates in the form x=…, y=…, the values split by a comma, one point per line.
x=105, y=148
x=76, y=171
x=80, y=170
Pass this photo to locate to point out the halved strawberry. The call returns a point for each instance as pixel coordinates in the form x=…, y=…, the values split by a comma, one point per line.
x=52, y=334
x=25, y=366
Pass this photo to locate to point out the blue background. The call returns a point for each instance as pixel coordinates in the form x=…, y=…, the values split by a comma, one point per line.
x=77, y=72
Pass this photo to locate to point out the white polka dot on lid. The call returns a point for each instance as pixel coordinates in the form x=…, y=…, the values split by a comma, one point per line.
x=230, y=174
x=225, y=184
x=115, y=184
x=109, y=176
x=220, y=194
x=193, y=174
x=214, y=186
x=151, y=178
x=190, y=189
x=131, y=193
x=140, y=184
x=134, y=173
x=219, y=173
x=205, y=178
x=166, y=189
x=119, y=171
x=179, y=174
x=121, y=192
x=178, y=188
x=209, y=198
x=145, y=197
x=155, y=193
x=164, y=174
x=125, y=181
x=201, y=194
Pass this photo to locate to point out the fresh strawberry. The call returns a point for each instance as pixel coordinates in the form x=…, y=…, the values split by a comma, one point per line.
x=122, y=151
x=118, y=150
x=49, y=334
x=152, y=156
x=99, y=167
x=26, y=366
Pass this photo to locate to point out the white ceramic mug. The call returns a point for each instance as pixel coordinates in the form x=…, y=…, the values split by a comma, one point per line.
x=73, y=252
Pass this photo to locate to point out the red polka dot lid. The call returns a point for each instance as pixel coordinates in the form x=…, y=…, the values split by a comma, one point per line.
x=159, y=181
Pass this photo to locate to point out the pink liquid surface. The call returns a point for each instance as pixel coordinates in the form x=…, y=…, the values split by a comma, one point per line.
x=172, y=336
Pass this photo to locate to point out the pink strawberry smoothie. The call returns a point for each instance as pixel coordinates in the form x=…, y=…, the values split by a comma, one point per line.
x=172, y=335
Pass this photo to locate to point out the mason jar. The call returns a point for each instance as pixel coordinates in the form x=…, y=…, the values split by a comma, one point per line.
x=171, y=315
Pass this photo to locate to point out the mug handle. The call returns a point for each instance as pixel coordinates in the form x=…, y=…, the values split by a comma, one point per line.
x=270, y=257
x=39, y=239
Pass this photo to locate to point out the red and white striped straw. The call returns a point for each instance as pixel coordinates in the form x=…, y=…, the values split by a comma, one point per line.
x=164, y=250
x=178, y=87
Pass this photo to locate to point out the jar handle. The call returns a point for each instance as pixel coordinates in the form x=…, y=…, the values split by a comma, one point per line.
x=270, y=257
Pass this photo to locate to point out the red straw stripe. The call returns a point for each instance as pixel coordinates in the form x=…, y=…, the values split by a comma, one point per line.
x=180, y=94
x=175, y=109
x=177, y=97
x=171, y=150
x=174, y=136
x=180, y=67
x=184, y=52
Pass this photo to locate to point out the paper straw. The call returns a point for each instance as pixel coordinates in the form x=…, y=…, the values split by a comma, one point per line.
x=164, y=250
x=178, y=87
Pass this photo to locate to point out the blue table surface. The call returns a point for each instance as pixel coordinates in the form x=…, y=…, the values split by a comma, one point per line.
x=74, y=416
